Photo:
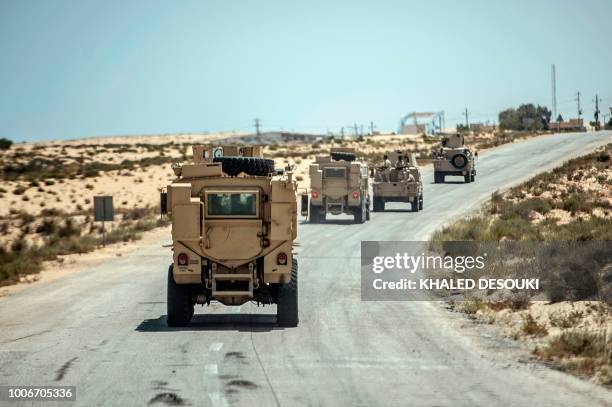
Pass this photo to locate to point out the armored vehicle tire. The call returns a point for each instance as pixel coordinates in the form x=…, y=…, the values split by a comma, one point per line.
x=368, y=212
x=472, y=177
x=315, y=214
x=467, y=178
x=233, y=166
x=414, y=205
x=179, y=303
x=438, y=178
x=379, y=204
x=421, y=202
x=287, y=304
x=342, y=156
x=360, y=213
x=459, y=160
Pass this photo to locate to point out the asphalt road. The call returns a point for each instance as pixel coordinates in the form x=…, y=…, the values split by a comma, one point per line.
x=103, y=330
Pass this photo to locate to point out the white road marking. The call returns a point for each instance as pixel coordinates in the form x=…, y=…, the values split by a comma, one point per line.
x=211, y=369
x=215, y=346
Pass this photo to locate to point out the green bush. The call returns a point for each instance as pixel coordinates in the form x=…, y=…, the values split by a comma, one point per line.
x=5, y=143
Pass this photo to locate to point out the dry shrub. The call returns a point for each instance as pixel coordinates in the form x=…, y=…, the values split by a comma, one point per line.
x=531, y=327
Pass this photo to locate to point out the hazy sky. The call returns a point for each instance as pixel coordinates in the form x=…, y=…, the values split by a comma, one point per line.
x=83, y=68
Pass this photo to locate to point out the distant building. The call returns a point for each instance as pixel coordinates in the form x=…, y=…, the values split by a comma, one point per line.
x=567, y=126
x=482, y=127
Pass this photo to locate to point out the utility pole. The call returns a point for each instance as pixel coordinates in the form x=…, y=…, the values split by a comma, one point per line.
x=554, y=91
x=597, y=99
x=372, y=128
x=342, y=132
x=356, y=130
x=578, y=102
x=467, y=122
x=257, y=126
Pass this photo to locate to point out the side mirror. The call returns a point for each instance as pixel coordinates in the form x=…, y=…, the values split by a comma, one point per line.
x=304, y=204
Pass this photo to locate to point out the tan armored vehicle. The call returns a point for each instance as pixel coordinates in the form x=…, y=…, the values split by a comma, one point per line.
x=398, y=179
x=339, y=184
x=234, y=220
x=454, y=158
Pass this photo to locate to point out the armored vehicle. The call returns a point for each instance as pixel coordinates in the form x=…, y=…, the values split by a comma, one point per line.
x=398, y=179
x=454, y=158
x=234, y=220
x=339, y=184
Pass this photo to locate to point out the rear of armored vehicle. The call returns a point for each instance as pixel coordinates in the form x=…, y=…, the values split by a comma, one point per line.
x=338, y=185
x=398, y=179
x=232, y=235
x=454, y=159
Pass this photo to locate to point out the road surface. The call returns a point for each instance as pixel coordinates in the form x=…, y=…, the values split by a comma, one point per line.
x=103, y=330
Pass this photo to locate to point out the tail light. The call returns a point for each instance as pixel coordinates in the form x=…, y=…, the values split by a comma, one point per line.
x=182, y=259
x=281, y=259
x=314, y=194
x=356, y=194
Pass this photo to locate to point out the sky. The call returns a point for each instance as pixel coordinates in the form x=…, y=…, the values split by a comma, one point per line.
x=72, y=69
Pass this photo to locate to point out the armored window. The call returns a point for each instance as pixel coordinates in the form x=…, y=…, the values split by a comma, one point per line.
x=231, y=204
x=334, y=172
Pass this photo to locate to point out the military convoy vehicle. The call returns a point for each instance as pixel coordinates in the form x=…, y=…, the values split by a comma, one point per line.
x=234, y=220
x=338, y=184
x=454, y=158
x=398, y=179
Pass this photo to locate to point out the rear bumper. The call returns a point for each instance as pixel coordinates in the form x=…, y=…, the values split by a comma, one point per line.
x=456, y=172
x=411, y=198
x=337, y=206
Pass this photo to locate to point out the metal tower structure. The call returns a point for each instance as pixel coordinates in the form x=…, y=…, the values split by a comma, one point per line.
x=432, y=121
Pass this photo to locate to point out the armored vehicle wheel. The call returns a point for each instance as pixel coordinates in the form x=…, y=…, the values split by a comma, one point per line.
x=287, y=304
x=379, y=204
x=233, y=166
x=315, y=213
x=472, y=177
x=360, y=213
x=421, y=202
x=342, y=156
x=467, y=178
x=459, y=160
x=414, y=205
x=367, y=212
x=179, y=303
x=438, y=178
